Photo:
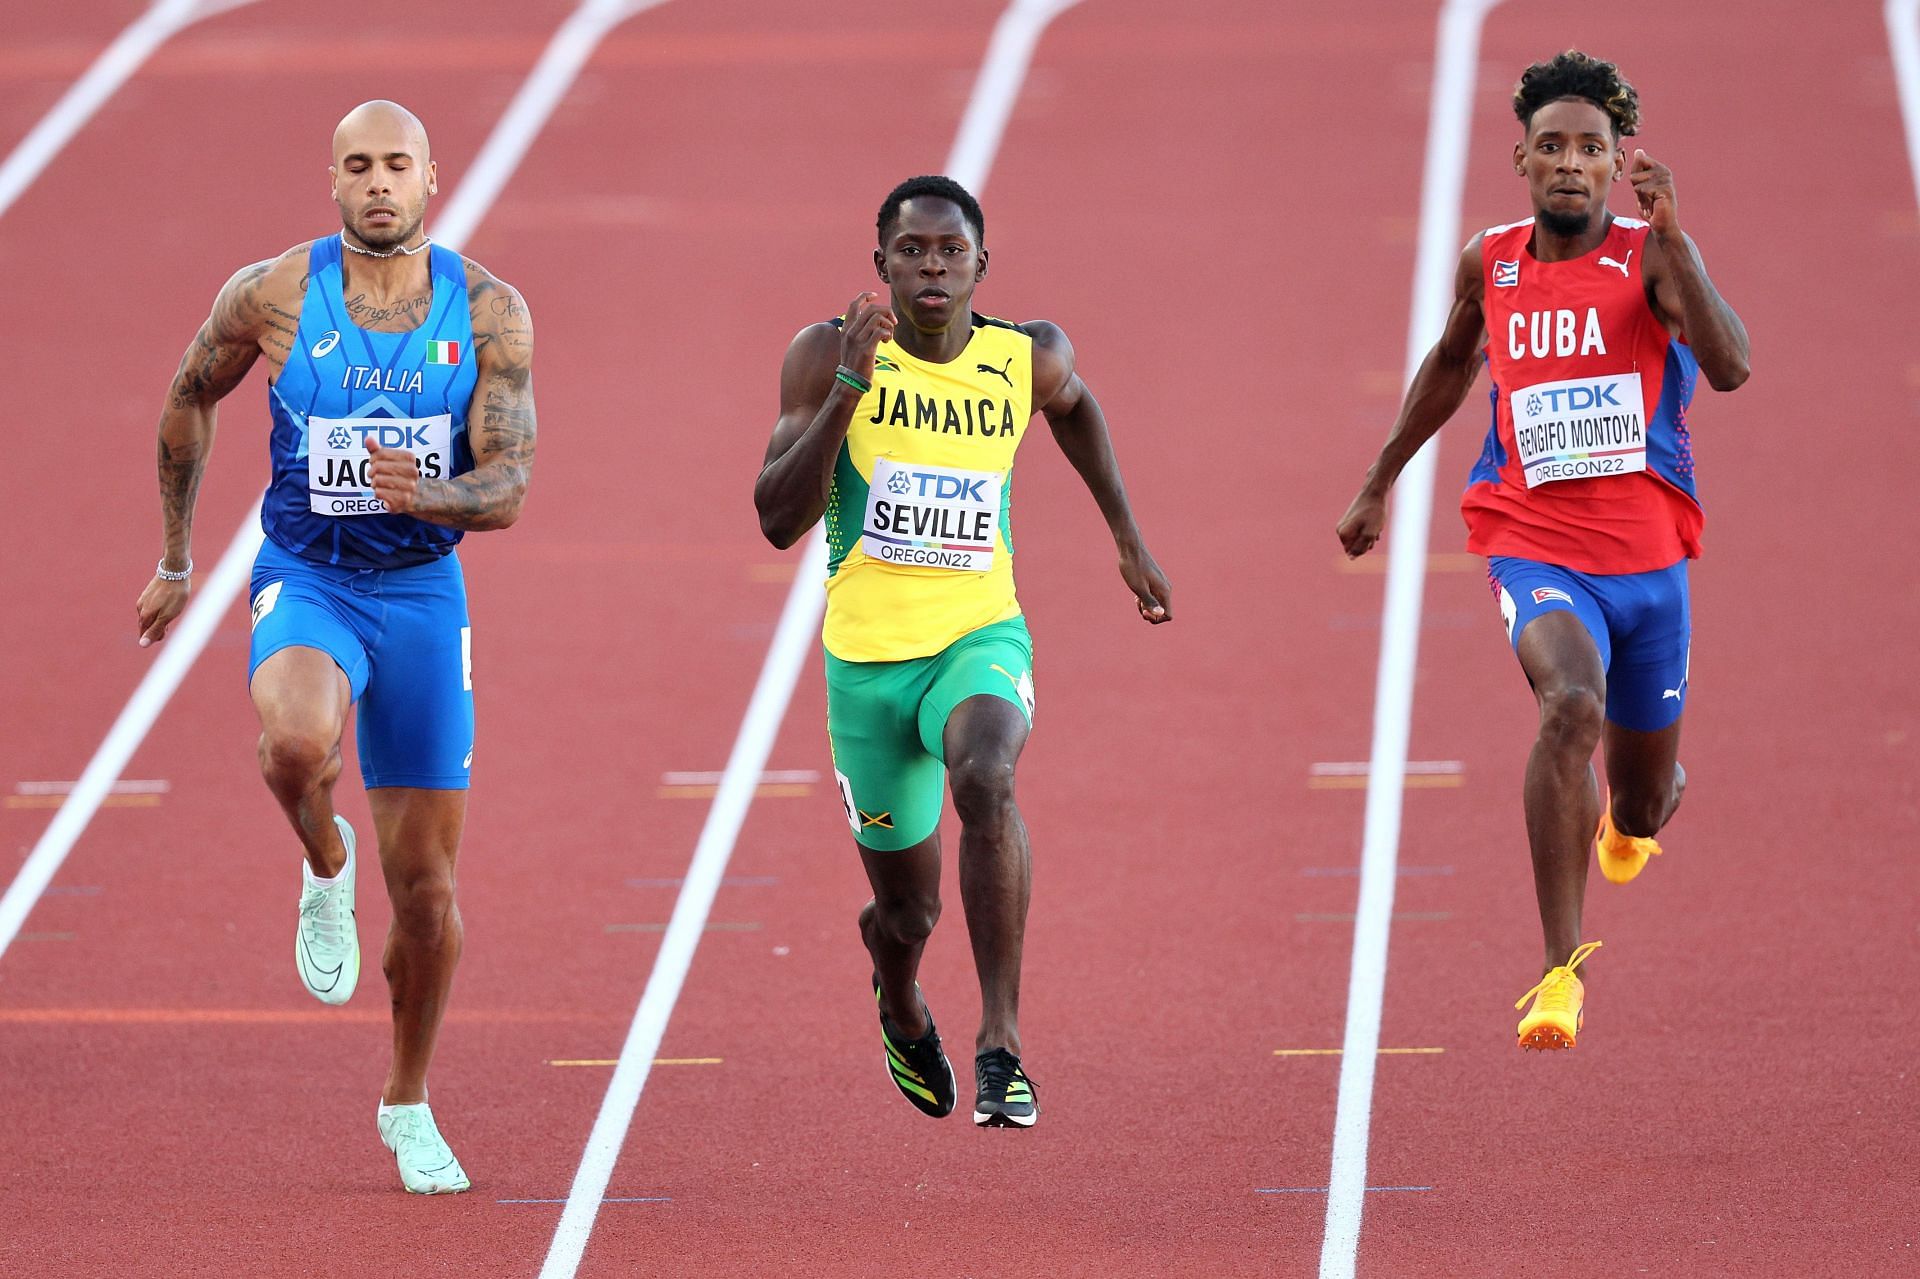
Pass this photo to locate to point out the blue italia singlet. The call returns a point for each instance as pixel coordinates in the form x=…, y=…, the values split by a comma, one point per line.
x=343, y=385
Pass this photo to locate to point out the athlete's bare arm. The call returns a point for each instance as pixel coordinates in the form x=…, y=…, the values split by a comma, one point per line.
x=255, y=314
x=500, y=424
x=1682, y=295
x=1438, y=391
x=1080, y=428
x=816, y=408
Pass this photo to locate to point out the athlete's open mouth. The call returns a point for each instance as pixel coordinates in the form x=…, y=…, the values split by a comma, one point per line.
x=932, y=295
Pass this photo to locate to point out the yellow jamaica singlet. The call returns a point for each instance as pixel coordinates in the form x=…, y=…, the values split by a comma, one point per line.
x=919, y=540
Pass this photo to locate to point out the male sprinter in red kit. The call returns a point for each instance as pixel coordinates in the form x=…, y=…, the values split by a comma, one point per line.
x=1595, y=329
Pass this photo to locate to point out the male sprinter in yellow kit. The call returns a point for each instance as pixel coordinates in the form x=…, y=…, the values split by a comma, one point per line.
x=899, y=424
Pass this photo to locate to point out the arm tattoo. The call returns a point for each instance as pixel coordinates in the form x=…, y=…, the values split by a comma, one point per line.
x=180, y=469
x=489, y=496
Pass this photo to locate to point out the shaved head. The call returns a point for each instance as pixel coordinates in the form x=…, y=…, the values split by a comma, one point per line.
x=382, y=174
x=380, y=121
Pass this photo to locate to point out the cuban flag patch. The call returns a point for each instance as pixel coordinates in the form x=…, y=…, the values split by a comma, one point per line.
x=1506, y=274
x=1541, y=594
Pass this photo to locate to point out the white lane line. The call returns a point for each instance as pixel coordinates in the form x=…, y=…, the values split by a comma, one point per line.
x=115, y=65
x=542, y=91
x=1903, y=36
x=177, y=654
x=1001, y=74
x=1449, y=122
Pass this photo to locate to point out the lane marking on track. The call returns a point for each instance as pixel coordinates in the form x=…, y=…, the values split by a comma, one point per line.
x=658, y=1061
x=541, y=92
x=1002, y=72
x=705, y=927
x=1449, y=126
x=272, y=1016
x=642, y=1199
x=1363, y=768
x=1336, y=1052
x=141, y=793
x=1347, y=917
x=730, y=881
x=1321, y=1190
x=49, y=936
x=765, y=790
x=126, y=786
x=114, y=67
x=775, y=776
x=1903, y=38
x=1328, y=872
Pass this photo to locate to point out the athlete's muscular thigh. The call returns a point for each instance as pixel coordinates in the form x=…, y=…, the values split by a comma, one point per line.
x=1563, y=664
x=983, y=738
x=301, y=693
x=420, y=832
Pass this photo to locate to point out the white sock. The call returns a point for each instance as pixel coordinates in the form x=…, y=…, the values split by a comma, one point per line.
x=329, y=880
x=386, y=1110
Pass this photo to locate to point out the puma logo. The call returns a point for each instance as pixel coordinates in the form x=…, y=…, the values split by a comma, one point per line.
x=1619, y=266
x=1000, y=372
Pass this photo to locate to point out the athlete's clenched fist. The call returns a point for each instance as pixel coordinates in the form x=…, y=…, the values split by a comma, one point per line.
x=394, y=476
x=868, y=323
x=1653, y=184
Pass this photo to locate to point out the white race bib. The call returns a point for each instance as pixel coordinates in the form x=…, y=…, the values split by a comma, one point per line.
x=337, y=460
x=932, y=516
x=1580, y=428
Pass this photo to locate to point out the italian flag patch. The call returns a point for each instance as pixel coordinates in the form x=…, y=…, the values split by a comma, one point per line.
x=443, y=353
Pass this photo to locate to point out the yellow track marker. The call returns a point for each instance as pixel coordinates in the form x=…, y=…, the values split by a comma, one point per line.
x=1335, y=1052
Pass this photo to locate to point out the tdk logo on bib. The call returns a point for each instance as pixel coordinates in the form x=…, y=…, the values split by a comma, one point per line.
x=1561, y=399
x=399, y=433
x=942, y=487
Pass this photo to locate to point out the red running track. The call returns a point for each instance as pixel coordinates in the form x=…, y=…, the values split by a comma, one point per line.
x=1219, y=208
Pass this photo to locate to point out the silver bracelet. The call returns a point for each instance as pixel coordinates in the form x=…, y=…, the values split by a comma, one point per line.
x=166, y=574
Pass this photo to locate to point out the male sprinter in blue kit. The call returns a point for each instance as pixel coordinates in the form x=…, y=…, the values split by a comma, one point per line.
x=399, y=381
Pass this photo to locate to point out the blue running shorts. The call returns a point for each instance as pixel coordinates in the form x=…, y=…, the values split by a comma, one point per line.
x=1642, y=623
x=402, y=638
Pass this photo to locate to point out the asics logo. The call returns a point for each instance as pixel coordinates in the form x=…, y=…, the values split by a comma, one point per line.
x=1000, y=372
x=1621, y=267
x=324, y=347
